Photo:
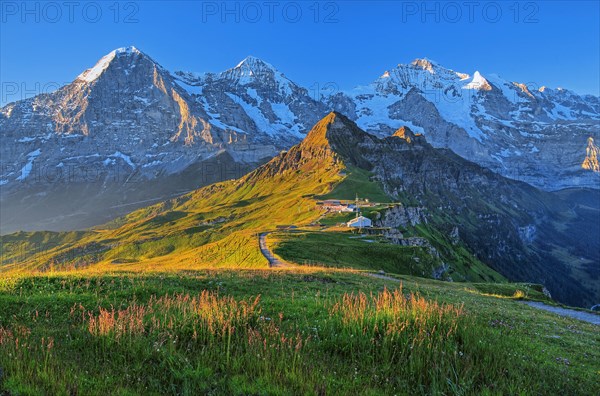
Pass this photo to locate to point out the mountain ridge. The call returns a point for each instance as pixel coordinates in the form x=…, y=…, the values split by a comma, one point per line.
x=133, y=117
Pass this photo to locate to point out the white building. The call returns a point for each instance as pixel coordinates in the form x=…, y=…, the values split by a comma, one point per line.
x=360, y=221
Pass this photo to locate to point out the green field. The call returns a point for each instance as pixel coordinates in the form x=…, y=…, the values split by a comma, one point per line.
x=351, y=250
x=358, y=181
x=374, y=252
x=277, y=332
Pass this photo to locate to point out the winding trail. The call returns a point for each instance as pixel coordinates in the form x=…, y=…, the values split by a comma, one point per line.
x=264, y=249
x=565, y=312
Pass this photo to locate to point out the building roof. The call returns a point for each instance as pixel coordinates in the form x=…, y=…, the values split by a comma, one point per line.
x=360, y=219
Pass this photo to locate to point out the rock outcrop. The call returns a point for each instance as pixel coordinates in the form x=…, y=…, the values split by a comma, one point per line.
x=401, y=216
x=591, y=158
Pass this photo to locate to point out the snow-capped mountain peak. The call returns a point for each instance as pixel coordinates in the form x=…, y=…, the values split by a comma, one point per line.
x=254, y=98
x=92, y=74
x=128, y=50
x=422, y=73
x=479, y=83
x=129, y=54
x=503, y=125
x=425, y=64
x=254, y=70
x=252, y=63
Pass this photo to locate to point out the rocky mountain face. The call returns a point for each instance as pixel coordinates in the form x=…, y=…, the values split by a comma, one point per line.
x=591, y=159
x=127, y=109
x=256, y=99
x=401, y=216
x=128, y=132
x=122, y=134
x=522, y=232
x=535, y=135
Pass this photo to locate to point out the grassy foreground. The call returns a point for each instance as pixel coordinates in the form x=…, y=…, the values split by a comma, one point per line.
x=310, y=331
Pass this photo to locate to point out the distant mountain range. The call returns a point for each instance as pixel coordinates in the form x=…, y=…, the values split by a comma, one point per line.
x=537, y=136
x=127, y=132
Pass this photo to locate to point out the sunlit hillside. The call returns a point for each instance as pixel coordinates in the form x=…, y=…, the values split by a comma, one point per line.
x=214, y=226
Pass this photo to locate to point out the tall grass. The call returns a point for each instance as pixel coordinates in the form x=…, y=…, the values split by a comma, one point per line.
x=30, y=358
x=198, y=317
x=230, y=334
x=387, y=342
x=414, y=343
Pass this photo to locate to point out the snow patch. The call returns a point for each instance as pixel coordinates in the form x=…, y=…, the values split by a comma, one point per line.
x=92, y=74
x=478, y=82
x=192, y=89
x=26, y=170
x=560, y=112
x=285, y=125
x=140, y=99
x=287, y=118
x=127, y=50
x=124, y=157
x=252, y=93
x=215, y=118
x=153, y=163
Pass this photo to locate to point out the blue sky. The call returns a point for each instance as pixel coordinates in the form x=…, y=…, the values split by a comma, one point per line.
x=347, y=43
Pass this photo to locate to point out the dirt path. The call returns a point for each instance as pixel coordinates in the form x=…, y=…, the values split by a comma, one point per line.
x=264, y=249
x=382, y=276
x=571, y=313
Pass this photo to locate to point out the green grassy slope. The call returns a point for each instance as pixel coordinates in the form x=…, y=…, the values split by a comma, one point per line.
x=158, y=334
x=351, y=250
x=358, y=181
x=463, y=264
x=343, y=249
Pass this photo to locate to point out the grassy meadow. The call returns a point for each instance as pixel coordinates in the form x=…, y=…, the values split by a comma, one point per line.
x=339, y=247
x=303, y=331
